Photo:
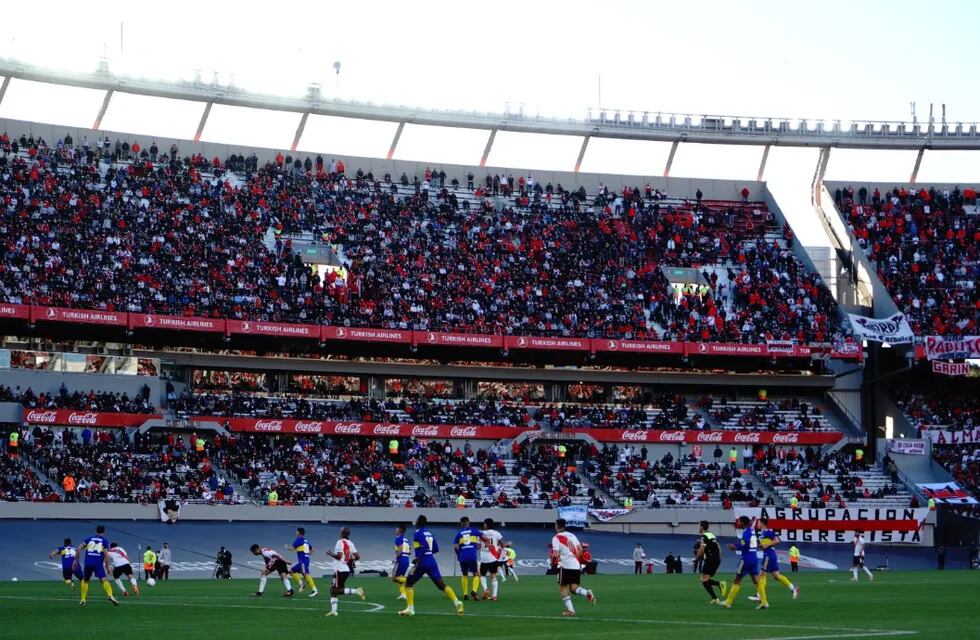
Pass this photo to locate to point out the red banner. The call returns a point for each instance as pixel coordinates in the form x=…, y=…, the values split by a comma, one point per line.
x=78, y=418
x=279, y=329
x=370, y=429
x=559, y=344
x=60, y=314
x=14, y=311
x=693, y=436
x=846, y=351
x=362, y=334
x=788, y=349
x=176, y=323
x=637, y=346
x=725, y=349
x=440, y=339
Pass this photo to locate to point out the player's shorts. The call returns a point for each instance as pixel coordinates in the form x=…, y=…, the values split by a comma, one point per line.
x=124, y=570
x=279, y=566
x=67, y=573
x=401, y=567
x=421, y=569
x=710, y=567
x=487, y=568
x=340, y=579
x=770, y=563
x=303, y=566
x=97, y=569
x=469, y=567
x=747, y=569
x=569, y=576
x=858, y=562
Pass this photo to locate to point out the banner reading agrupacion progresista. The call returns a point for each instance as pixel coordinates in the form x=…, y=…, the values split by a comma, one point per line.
x=883, y=525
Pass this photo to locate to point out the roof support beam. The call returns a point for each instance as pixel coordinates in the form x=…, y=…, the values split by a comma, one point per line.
x=299, y=131
x=105, y=107
x=204, y=121
x=918, y=163
x=486, y=149
x=3, y=88
x=581, y=152
x=670, y=158
x=394, y=141
x=762, y=165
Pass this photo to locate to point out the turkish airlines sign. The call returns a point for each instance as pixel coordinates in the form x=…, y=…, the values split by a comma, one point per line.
x=278, y=329
x=78, y=418
x=175, y=323
x=441, y=339
x=554, y=343
x=693, y=436
x=368, y=429
x=14, y=311
x=363, y=334
x=60, y=314
x=725, y=349
x=637, y=346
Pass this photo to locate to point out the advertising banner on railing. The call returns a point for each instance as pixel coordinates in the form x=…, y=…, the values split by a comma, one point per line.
x=886, y=525
x=947, y=493
x=279, y=329
x=175, y=323
x=893, y=330
x=550, y=343
x=947, y=436
x=725, y=349
x=364, y=334
x=79, y=418
x=86, y=316
x=907, y=447
x=14, y=311
x=636, y=346
x=369, y=429
x=938, y=347
x=693, y=436
x=442, y=339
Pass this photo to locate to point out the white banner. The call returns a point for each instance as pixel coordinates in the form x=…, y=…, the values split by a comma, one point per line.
x=893, y=330
x=947, y=493
x=575, y=515
x=879, y=525
x=938, y=347
x=605, y=515
x=908, y=447
x=945, y=436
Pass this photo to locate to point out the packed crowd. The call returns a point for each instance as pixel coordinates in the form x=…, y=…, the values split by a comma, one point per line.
x=83, y=401
x=951, y=407
x=963, y=463
x=787, y=414
x=318, y=470
x=116, y=466
x=926, y=249
x=180, y=236
x=17, y=480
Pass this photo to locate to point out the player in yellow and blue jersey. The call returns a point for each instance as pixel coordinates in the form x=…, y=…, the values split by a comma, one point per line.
x=747, y=545
x=770, y=562
x=92, y=556
x=467, y=547
x=426, y=548
x=403, y=560
x=67, y=553
x=301, y=570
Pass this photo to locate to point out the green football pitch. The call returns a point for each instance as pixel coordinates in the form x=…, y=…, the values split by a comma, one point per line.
x=920, y=604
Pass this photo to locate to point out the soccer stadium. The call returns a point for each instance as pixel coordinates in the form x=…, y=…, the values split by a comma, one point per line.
x=427, y=321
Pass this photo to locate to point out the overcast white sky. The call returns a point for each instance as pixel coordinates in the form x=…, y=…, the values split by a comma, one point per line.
x=837, y=59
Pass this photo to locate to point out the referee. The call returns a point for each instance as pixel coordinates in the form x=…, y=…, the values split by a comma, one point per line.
x=709, y=555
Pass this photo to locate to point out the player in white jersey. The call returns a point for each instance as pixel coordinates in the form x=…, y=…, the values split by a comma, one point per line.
x=858, y=563
x=567, y=551
x=491, y=553
x=345, y=557
x=122, y=567
x=274, y=563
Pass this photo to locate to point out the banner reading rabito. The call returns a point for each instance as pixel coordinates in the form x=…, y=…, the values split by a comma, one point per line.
x=938, y=347
x=881, y=525
x=893, y=330
x=946, y=436
x=947, y=493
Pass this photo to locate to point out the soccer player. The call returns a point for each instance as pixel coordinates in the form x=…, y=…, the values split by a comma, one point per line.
x=301, y=570
x=566, y=550
x=708, y=556
x=747, y=544
x=403, y=560
x=509, y=563
x=94, y=552
x=425, y=564
x=67, y=553
x=467, y=547
x=858, y=563
x=345, y=557
x=491, y=549
x=122, y=567
x=274, y=563
x=770, y=563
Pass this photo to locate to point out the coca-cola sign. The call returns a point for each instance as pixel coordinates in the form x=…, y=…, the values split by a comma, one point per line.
x=671, y=436
x=695, y=436
x=387, y=430
x=710, y=436
x=748, y=437
x=83, y=418
x=74, y=418
x=308, y=427
x=785, y=438
x=349, y=429
x=41, y=416
x=367, y=429
x=462, y=432
x=425, y=431
x=635, y=435
x=268, y=425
